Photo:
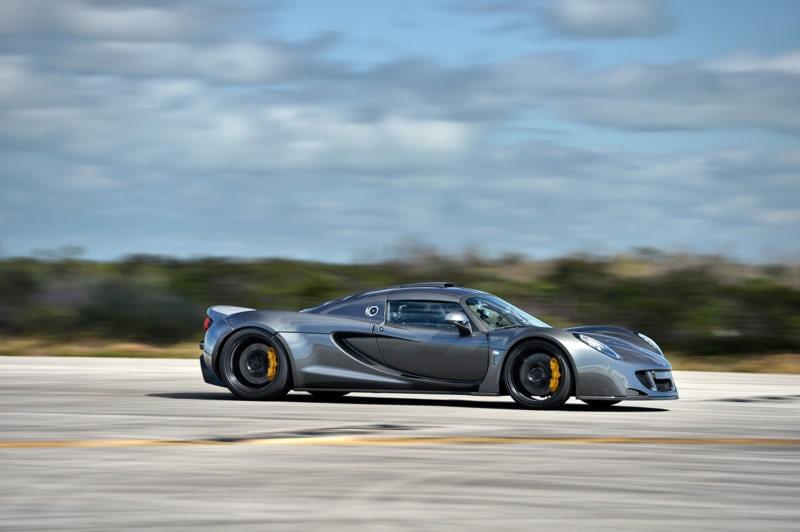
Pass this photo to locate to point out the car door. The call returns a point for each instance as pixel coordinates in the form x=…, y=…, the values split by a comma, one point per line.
x=416, y=340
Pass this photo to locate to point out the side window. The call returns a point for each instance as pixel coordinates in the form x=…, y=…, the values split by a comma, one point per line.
x=360, y=310
x=422, y=313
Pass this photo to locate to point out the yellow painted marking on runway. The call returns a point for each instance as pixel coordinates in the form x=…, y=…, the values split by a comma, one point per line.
x=397, y=441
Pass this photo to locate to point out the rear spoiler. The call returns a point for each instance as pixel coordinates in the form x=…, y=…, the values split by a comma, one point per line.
x=218, y=312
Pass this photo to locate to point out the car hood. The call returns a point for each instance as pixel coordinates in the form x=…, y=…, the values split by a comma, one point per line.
x=624, y=341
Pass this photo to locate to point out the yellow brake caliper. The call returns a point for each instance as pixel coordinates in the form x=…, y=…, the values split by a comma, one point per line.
x=272, y=366
x=555, y=374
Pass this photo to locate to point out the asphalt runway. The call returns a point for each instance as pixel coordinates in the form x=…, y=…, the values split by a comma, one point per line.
x=123, y=444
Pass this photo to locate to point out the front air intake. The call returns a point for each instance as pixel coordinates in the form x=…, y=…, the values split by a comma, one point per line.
x=656, y=380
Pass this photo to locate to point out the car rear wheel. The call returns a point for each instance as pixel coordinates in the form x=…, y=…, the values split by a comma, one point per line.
x=537, y=375
x=254, y=366
x=600, y=403
x=328, y=396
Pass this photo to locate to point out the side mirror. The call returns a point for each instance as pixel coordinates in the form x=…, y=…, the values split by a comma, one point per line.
x=460, y=320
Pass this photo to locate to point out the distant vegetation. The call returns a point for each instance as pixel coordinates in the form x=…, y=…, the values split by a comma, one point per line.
x=698, y=305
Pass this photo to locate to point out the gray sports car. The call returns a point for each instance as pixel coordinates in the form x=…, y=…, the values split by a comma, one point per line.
x=428, y=338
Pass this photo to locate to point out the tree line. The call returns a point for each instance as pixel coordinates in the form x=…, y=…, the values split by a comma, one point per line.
x=697, y=305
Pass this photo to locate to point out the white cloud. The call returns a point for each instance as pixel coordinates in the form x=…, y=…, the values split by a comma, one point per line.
x=780, y=217
x=308, y=138
x=188, y=124
x=572, y=18
x=657, y=97
x=788, y=63
x=240, y=62
x=125, y=22
x=87, y=177
x=15, y=83
x=608, y=18
x=109, y=20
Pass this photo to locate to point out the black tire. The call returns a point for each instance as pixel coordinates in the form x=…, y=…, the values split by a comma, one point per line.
x=528, y=375
x=600, y=403
x=328, y=396
x=245, y=364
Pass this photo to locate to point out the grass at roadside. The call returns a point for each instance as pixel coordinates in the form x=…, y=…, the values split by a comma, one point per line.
x=764, y=363
x=95, y=348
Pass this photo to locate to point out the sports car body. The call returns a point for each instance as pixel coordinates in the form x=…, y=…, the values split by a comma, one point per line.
x=428, y=338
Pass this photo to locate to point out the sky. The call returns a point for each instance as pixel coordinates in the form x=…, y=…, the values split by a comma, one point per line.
x=336, y=131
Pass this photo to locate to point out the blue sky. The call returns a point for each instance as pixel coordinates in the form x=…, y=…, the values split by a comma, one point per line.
x=454, y=33
x=336, y=130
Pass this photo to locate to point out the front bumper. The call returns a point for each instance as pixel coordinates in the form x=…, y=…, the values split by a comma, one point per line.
x=642, y=385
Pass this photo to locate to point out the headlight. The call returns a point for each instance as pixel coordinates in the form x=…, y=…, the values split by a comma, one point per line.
x=597, y=345
x=652, y=343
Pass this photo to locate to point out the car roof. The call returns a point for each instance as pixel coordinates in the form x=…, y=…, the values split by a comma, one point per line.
x=425, y=290
x=415, y=290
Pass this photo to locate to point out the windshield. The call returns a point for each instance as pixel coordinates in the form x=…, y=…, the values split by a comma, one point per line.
x=497, y=314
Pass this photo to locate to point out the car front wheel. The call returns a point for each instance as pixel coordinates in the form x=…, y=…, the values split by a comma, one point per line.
x=538, y=376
